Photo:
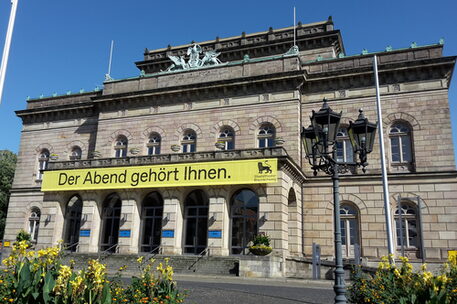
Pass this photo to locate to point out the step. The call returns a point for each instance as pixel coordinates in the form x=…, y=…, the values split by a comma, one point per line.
x=211, y=265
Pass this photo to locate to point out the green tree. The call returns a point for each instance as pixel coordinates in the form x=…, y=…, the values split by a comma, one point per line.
x=7, y=167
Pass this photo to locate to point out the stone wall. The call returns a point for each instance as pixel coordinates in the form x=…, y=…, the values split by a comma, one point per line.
x=439, y=212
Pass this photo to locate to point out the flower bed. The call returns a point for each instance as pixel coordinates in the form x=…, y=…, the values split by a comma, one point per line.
x=39, y=277
x=393, y=284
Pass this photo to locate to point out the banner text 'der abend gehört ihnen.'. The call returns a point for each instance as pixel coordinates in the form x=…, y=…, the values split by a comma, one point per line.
x=253, y=171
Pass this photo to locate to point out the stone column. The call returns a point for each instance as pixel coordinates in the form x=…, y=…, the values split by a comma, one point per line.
x=218, y=223
x=49, y=232
x=89, y=234
x=172, y=226
x=129, y=224
x=273, y=206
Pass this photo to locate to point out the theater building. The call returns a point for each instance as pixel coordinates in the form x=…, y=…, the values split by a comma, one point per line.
x=202, y=150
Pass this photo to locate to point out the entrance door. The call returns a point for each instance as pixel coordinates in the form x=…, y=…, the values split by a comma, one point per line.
x=244, y=215
x=111, y=222
x=152, y=222
x=196, y=220
x=73, y=222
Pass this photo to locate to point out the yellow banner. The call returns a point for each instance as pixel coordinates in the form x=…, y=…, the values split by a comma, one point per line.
x=254, y=171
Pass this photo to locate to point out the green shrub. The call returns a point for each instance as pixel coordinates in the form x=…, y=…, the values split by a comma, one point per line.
x=39, y=277
x=393, y=284
x=23, y=236
x=261, y=239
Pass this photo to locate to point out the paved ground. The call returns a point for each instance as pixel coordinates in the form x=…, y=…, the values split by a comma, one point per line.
x=220, y=290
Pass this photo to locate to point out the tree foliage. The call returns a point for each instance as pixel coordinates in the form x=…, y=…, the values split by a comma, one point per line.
x=7, y=167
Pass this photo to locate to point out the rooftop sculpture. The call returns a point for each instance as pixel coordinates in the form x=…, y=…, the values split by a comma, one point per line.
x=179, y=63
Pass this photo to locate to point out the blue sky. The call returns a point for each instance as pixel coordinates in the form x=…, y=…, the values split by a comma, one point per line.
x=64, y=45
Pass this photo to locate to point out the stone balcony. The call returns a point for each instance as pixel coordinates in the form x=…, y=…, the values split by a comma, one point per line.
x=276, y=152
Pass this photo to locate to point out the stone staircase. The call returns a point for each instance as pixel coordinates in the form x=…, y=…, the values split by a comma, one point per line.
x=208, y=265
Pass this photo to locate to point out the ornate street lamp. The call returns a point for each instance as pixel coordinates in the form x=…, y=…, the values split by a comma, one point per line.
x=319, y=141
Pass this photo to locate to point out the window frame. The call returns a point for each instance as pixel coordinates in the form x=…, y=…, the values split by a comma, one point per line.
x=268, y=139
x=34, y=223
x=189, y=144
x=403, y=222
x=227, y=136
x=349, y=212
x=77, y=155
x=43, y=161
x=154, y=147
x=401, y=136
x=120, y=147
x=346, y=142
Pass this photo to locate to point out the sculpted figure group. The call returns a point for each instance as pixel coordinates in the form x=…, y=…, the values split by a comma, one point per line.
x=209, y=58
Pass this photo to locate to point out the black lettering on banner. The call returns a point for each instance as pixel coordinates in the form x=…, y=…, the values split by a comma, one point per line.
x=151, y=174
x=64, y=180
x=144, y=177
x=106, y=178
x=135, y=179
x=97, y=178
x=123, y=177
x=212, y=173
x=88, y=178
x=219, y=171
x=176, y=171
x=162, y=175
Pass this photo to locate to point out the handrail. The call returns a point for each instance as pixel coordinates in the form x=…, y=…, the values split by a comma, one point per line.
x=202, y=253
x=71, y=246
x=200, y=256
x=157, y=250
x=107, y=253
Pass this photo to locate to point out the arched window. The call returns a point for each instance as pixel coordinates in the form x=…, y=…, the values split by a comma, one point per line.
x=76, y=153
x=43, y=160
x=111, y=217
x=154, y=144
x=73, y=214
x=120, y=147
x=344, y=151
x=349, y=220
x=34, y=223
x=151, y=218
x=400, y=143
x=244, y=214
x=227, y=137
x=196, y=207
x=406, y=223
x=266, y=135
x=189, y=141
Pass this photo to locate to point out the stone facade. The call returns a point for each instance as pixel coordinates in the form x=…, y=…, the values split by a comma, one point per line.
x=273, y=87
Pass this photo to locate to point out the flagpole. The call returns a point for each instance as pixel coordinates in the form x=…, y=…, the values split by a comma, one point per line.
x=295, y=29
x=385, y=184
x=6, y=49
x=110, y=57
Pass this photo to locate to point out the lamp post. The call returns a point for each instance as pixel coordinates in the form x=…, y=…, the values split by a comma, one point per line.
x=319, y=141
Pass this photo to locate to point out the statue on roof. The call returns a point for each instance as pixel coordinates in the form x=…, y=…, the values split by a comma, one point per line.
x=194, y=51
x=194, y=56
x=211, y=58
x=178, y=63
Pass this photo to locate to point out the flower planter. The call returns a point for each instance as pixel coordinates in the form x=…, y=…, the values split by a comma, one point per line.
x=260, y=250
